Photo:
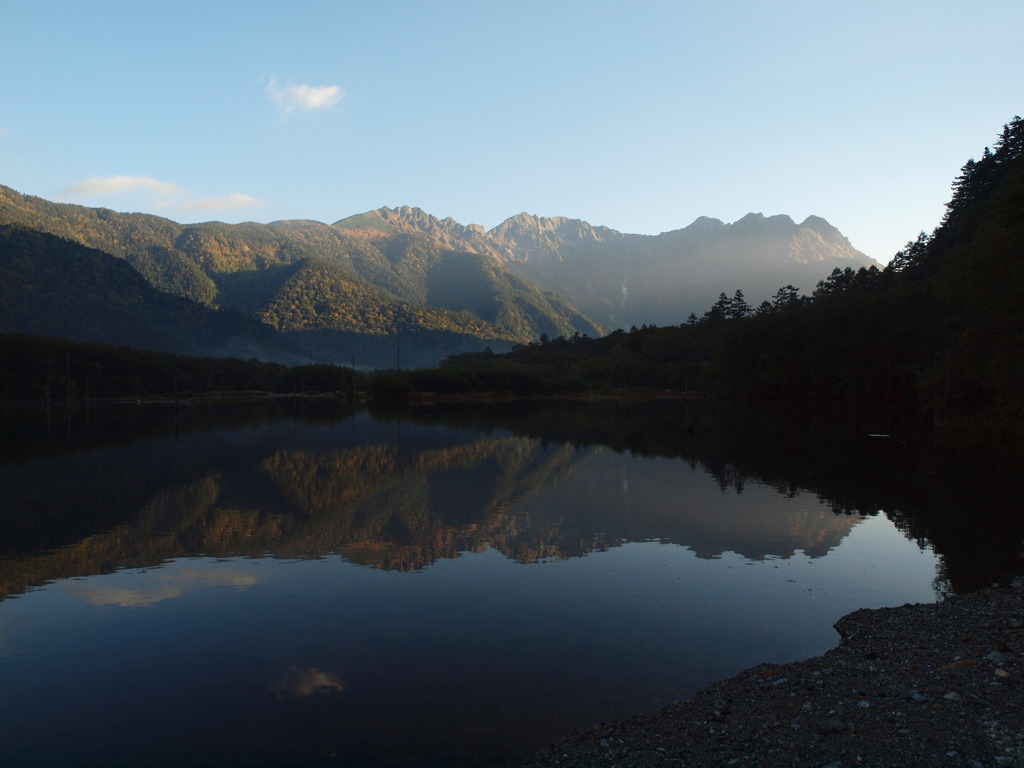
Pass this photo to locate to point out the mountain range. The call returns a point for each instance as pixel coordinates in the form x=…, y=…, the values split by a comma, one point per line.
x=384, y=287
x=622, y=279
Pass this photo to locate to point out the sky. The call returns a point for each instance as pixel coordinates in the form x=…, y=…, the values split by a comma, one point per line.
x=640, y=116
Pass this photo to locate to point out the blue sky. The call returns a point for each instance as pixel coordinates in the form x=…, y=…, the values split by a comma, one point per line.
x=638, y=115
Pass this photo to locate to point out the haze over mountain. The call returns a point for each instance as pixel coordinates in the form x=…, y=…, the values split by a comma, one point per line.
x=622, y=279
x=357, y=288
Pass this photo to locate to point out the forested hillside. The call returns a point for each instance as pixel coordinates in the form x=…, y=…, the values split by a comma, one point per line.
x=50, y=286
x=305, y=278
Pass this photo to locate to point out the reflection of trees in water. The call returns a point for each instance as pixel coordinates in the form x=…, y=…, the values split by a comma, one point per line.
x=376, y=504
x=402, y=506
x=154, y=536
x=370, y=503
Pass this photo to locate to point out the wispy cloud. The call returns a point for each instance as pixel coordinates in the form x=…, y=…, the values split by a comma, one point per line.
x=155, y=194
x=236, y=200
x=112, y=185
x=304, y=97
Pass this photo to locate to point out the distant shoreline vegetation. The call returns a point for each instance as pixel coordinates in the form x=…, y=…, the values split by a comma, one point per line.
x=44, y=369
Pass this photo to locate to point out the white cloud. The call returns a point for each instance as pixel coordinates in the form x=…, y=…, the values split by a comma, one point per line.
x=154, y=193
x=236, y=200
x=112, y=185
x=305, y=97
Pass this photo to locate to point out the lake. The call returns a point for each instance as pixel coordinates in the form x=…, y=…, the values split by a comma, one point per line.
x=308, y=583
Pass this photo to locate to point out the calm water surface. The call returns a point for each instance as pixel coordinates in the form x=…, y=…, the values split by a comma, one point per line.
x=307, y=585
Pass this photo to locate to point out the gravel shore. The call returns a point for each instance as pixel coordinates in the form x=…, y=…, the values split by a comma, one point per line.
x=935, y=684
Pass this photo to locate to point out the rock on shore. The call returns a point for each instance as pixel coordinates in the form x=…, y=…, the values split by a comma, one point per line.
x=935, y=684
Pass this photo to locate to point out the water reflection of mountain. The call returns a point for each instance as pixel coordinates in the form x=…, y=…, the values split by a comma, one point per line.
x=394, y=507
x=399, y=494
x=617, y=498
x=965, y=502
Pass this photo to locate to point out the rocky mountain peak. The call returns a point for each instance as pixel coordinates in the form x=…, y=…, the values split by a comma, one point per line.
x=706, y=222
x=828, y=233
x=525, y=227
x=759, y=221
x=414, y=221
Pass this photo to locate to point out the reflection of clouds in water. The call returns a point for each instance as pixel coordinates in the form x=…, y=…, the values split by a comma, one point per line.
x=169, y=586
x=307, y=682
x=126, y=597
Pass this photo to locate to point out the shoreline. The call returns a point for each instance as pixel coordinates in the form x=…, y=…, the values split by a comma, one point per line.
x=927, y=684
